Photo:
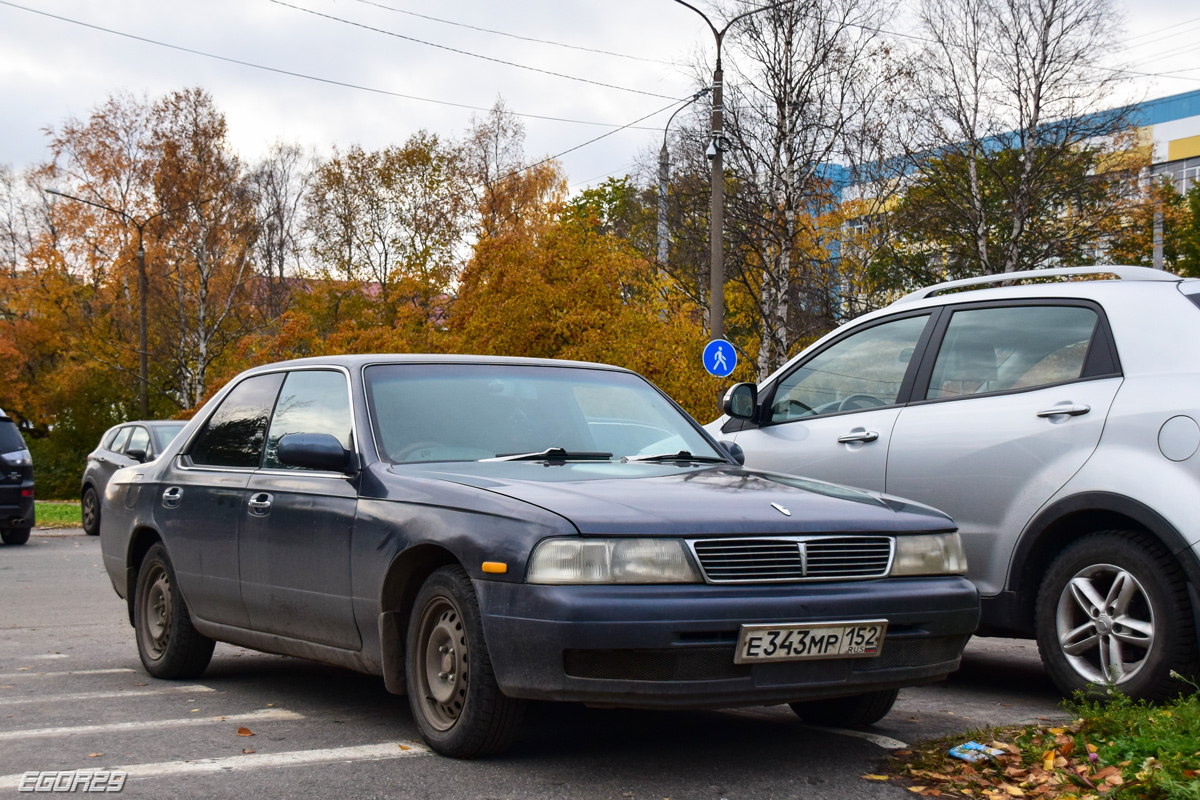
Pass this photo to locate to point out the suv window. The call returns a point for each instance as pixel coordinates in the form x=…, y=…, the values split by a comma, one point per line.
x=312, y=401
x=107, y=442
x=139, y=439
x=863, y=370
x=234, y=434
x=10, y=437
x=118, y=444
x=988, y=350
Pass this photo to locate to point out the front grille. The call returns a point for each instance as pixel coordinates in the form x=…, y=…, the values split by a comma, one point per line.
x=780, y=559
x=676, y=664
x=848, y=557
x=750, y=559
x=914, y=653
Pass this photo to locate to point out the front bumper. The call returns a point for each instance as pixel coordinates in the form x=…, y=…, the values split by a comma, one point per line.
x=673, y=646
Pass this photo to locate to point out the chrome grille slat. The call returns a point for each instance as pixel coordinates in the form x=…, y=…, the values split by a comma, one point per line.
x=793, y=558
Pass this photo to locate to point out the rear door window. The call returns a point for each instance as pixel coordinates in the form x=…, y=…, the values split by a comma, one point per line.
x=989, y=350
x=234, y=435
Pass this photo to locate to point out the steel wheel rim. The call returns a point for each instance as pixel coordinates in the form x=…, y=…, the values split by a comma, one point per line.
x=442, y=660
x=157, y=612
x=1105, y=624
x=89, y=509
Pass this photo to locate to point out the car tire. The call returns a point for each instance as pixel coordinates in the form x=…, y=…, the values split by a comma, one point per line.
x=452, y=689
x=854, y=711
x=170, y=647
x=14, y=535
x=1116, y=593
x=89, y=508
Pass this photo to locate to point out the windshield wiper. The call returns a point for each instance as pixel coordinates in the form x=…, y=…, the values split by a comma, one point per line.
x=550, y=454
x=682, y=455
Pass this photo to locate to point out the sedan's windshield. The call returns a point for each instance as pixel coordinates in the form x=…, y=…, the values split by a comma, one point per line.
x=471, y=412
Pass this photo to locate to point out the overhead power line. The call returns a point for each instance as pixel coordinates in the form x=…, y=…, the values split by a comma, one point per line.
x=514, y=35
x=316, y=78
x=467, y=52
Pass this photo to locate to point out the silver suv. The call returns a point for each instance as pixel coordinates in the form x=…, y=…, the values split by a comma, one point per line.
x=1053, y=414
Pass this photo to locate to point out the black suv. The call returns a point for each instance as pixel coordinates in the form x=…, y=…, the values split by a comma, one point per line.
x=16, y=484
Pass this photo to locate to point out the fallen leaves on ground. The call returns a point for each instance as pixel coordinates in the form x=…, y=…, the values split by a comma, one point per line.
x=1050, y=763
x=244, y=732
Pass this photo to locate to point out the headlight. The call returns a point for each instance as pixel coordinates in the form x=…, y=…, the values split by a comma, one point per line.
x=929, y=554
x=579, y=560
x=18, y=458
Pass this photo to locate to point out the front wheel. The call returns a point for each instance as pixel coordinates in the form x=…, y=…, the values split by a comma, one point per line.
x=90, y=511
x=1113, y=610
x=847, y=712
x=169, y=645
x=451, y=687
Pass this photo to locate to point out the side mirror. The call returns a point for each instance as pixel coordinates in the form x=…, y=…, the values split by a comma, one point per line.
x=314, y=451
x=137, y=454
x=740, y=401
x=734, y=449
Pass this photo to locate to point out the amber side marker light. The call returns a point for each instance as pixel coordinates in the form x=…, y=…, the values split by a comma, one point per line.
x=495, y=567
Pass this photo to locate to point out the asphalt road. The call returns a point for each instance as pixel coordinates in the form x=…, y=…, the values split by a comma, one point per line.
x=73, y=696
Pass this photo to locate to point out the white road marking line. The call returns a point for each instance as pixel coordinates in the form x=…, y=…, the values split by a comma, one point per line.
x=71, y=698
x=6, y=675
x=44, y=656
x=261, y=715
x=370, y=752
x=886, y=742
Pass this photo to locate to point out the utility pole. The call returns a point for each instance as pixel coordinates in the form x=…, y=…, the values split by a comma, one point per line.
x=143, y=288
x=718, y=144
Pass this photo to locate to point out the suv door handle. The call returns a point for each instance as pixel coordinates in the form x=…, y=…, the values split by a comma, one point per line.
x=260, y=503
x=1068, y=409
x=171, y=497
x=858, y=436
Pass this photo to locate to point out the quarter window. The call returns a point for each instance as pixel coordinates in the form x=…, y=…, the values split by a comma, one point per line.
x=988, y=350
x=234, y=435
x=864, y=370
x=313, y=401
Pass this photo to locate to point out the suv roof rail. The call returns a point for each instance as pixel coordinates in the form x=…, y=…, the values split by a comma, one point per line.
x=1123, y=273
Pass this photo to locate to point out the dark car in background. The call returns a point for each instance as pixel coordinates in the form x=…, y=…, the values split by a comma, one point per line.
x=121, y=446
x=16, y=484
x=479, y=531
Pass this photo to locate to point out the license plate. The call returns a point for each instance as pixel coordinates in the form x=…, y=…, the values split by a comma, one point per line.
x=810, y=641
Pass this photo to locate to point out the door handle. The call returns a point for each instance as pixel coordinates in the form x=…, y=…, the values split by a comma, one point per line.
x=171, y=497
x=1064, y=409
x=858, y=436
x=260, y=503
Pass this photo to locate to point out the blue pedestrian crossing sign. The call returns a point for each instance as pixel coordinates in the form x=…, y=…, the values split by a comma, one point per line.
x=720, y=358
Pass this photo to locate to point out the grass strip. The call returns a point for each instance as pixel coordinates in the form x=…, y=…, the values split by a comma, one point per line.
x=58, y=514
x=1114, y=748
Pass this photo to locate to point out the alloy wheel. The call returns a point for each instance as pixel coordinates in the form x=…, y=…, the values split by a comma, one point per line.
x=1105, y=624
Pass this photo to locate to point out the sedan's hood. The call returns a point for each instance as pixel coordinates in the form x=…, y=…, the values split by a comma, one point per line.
x=666, y=499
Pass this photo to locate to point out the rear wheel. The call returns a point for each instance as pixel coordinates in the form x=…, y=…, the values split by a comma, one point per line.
x=451, y=687
x=14, y=535
x=169, y=645
x=1113, y=611
x=90, y=509
x=847, y=712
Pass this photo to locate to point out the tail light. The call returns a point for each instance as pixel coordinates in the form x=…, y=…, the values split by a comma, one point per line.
x=27, y=492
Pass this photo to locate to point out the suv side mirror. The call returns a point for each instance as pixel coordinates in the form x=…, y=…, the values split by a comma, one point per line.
x=314, y=451
x=137, y=454
x=741, y=401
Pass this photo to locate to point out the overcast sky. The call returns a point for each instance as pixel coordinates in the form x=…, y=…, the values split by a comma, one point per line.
x=51, y=69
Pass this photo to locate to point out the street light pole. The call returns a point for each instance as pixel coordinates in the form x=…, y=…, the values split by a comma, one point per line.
x=717, y=146
x=143, y=288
